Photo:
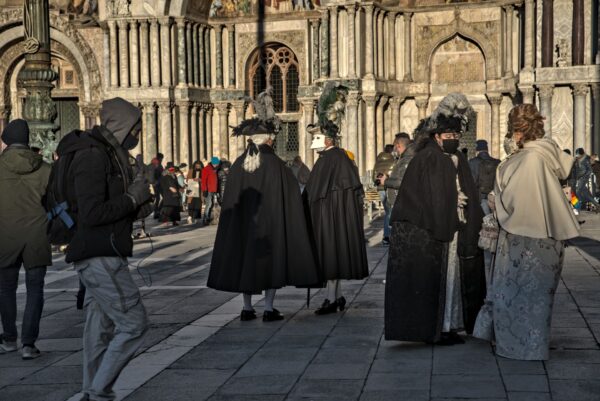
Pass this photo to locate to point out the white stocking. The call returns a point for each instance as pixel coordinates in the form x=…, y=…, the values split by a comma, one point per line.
x=269, y=298
x=333, y=290
x=248, y=302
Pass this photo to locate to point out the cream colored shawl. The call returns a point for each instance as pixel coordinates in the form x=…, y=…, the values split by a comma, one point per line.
x=529, y=199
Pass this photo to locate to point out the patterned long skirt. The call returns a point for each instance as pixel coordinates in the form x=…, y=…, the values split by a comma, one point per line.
x=525, y=277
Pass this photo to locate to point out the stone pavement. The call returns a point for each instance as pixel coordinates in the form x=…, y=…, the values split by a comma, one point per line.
x=197, y=349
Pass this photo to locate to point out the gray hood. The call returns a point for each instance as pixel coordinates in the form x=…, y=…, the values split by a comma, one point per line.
x=119, y=117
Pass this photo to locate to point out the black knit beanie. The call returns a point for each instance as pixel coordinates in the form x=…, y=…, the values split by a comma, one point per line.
x=17, y=131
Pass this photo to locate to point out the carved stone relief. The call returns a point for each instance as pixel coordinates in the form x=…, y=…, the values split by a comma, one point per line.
x=563, y=20
x=562, y=117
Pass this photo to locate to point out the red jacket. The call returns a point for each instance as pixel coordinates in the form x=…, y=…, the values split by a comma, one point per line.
x=210, y=183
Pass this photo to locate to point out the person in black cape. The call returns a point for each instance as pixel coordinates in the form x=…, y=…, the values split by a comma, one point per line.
x=435, y=281
x=262, y=238
x=171, y=197
x=335, y=199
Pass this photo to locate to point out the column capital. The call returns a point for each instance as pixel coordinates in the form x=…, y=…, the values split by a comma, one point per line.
x=581, y=89
x=422, y=102
x=122, y=23
x=208, y=107
x=181, y=22
x=509, y=8
x=352, y=99
x=165, y=21
x=143, y=24
x=495, y=99
x=134, y=23
x=153, y=22
x=325, y=14
x=392, y=14
x=165, y=104
x=222, y=108
x=370, y=99
x=383, y=99
x=230, y=27
x=546, y=91
x=184, y=104
x=351, y=9
x=396, y=101
x=407, y=16
x=315, y=22
x=307, y=102
x=148, y=106
x=218, y=28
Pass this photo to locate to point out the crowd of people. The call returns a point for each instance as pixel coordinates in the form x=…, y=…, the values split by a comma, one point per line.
x=476, y=246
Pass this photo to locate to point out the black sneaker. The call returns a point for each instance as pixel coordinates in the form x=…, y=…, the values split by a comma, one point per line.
x=272, y=316
x=386, y=241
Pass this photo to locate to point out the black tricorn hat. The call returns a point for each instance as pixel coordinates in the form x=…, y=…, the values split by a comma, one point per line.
x=255, y=126
x=443, y=124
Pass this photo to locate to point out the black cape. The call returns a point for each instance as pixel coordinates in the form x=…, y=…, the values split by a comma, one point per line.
x=334, y=194
x=424, y=221
x=262, y=239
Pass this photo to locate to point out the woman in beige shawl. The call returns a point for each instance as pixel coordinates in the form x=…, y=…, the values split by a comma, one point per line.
x=535, y=218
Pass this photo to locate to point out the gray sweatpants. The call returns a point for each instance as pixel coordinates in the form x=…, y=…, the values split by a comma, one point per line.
x=115, y=323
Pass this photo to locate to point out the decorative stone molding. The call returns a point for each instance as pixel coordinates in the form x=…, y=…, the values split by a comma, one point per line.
x=429, y=37
x=495, y=99
x=581, y=89
x=246, y=45
x=546, y=91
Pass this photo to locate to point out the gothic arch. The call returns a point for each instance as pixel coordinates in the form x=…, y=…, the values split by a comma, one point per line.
x=482, y=34
x=481, y=61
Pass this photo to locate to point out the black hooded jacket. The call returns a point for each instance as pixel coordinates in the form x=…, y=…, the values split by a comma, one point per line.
x=98, y=180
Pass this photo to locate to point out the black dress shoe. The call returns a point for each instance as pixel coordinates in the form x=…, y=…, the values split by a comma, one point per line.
x=341, y=302
x=247, y=315
x=272, y=316
x=328, y=307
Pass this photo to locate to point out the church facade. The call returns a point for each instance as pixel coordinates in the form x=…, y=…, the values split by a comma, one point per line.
x=192, y=65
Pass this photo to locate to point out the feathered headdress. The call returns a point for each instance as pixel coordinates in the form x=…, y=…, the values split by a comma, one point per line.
x=331, y=110
x=265, y=125
x=451, y=115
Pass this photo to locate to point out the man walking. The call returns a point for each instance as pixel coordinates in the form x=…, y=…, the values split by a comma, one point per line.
x=107, y=199
x=210, y=188
x=23, y=178
x=483, y=167
x=405, y=149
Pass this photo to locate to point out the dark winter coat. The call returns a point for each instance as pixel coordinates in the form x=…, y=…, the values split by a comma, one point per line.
x=334, y=193
x=393, y=182
x=23, y=222
x=170, y=198
x=98, y=177
x=475, y=164
x=424, y=222
x=383, y=165
x=210, y=181
x=262, y=240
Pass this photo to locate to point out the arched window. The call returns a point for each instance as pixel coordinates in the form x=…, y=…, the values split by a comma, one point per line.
x=277, y=66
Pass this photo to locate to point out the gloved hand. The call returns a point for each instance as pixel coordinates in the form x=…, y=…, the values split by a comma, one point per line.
x=145, y=210
x=139, y=191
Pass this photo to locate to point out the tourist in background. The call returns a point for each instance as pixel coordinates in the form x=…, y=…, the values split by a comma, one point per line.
x=583, y=176
x=535, y=218
x=171, y=203
x=383, y=167
x=483, y=167
x=300, y=171
x=210, y=188
x=405, y=150
x=194, y=200
x=23, y=222
x=158, y=173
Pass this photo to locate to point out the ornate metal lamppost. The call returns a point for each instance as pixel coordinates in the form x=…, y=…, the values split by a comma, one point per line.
x=37, y=76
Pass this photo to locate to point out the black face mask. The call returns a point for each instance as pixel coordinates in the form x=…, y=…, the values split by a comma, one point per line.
x=450, y=146
x=130, y=142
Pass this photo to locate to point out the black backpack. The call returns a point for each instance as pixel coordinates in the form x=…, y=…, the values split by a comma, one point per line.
x=487, y=175
x=60, y=204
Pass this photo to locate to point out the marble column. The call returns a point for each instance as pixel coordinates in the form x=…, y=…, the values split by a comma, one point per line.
x=596, y=117
x=381, y=128
x=580, y=92
x=240, y=141
x=395, y=103
x=369, y=43
x=352, y=124
x=144, y=55
x=407, y=47
x=135, y=53
x=165, y=52
x=202, y=66
x=528, y=93
x=123, y=53
x=316, y=63
x=351, y=41
x=578, y=36
x=150, y=133
x=189, y=46
x=495, y=101
x=207, y=59
x=154, y=53
x=325, y=44
x=196, y=56
x=114, y=53
x=308, y=109
x=184, y=133
x=510, y=10
x=202, y=134
x=223, y=134
x=380, y=44
x=181, y=53
x=598, y=37
x=194, y=131
x=422, y=103
x=165, y=134
x=529, y=34
x=211, y=145
x=370, y=132
x=219, y=54
x=545, y=93
x=333, y=15
x=547, y=33
x=106, y=55
x=392, y=45
x=231, y=46
x=4, y=117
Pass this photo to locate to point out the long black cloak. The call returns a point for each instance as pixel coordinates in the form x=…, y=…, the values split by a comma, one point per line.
x=262, y=239
x=334, y=195
x=424, y=221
